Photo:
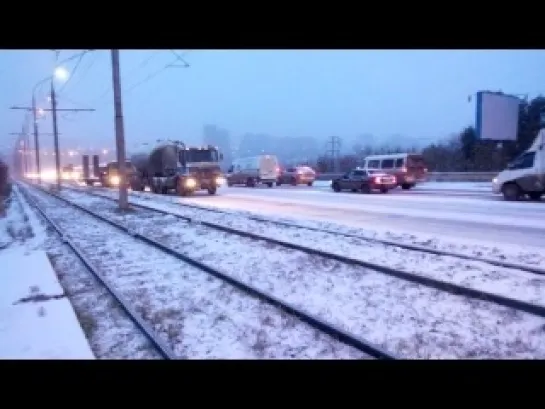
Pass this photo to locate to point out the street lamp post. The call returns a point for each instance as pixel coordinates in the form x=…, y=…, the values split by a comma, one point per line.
x=55, y=135
x=35, y=121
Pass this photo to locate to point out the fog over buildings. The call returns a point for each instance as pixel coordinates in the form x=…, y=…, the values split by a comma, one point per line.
x=297, y=149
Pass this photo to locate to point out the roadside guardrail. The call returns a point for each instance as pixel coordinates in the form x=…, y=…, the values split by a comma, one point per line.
x=436, y=176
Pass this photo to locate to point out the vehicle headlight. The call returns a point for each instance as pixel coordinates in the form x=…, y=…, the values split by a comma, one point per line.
x=495, y=180
x=220, y=180
x=114, y=180
x=190, y=183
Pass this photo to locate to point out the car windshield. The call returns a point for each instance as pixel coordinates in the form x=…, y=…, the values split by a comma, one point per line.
x=200, y=155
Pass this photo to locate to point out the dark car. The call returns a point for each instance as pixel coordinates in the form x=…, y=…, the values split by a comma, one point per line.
x=298, y=175
x=364, y=182
x=109, y=176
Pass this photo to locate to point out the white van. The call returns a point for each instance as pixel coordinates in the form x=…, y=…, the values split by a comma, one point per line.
x=251, y=171
x=525, y=175
x=408, y=168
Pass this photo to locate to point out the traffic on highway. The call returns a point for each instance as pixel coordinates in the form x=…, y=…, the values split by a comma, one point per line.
x=375, y=227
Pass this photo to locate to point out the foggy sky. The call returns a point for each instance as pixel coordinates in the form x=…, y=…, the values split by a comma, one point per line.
x=416, y=94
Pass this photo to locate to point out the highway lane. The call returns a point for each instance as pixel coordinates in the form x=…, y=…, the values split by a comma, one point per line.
x=419, y=190
x=462, y=189
x=461, y=218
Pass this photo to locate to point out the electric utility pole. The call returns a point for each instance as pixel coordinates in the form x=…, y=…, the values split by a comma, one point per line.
x=119, y=132
x=333, y=150
x=55, y=135
x=36, y=144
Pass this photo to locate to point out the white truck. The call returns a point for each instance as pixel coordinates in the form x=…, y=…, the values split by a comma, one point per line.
x=525, y=175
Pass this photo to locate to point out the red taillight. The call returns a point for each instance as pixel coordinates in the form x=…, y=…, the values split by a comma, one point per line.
x=404, y=169
x=377, y=180
x=425, y=169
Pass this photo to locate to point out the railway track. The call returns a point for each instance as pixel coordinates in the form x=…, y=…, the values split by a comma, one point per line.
x=477, y=300
x=300, y=335
x=160, y=346
x=110, y=331
x=405, y=246
x=434, y=280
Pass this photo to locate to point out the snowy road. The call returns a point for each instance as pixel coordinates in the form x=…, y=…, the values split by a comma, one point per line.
x=407, y=319
x=469, y=218
x=460, y=189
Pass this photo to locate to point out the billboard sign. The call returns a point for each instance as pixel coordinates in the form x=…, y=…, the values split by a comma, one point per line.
x=497, y=116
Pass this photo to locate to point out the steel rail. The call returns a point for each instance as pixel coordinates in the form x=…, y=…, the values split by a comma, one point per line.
x=163, y=349
x=445, y=286
x=327, y=328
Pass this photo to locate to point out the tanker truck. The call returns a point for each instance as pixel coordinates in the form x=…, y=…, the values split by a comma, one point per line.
x=172, y=165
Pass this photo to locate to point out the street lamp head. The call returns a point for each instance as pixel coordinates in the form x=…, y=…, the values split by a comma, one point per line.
x=61, y=73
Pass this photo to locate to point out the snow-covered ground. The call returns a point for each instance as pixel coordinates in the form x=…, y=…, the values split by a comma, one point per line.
x=14, y=228
x=36, y=319
x=408, y=319
x=198, y=315
x=485, y=187
x=322, y=183
x=512, y=252
x=109, y=332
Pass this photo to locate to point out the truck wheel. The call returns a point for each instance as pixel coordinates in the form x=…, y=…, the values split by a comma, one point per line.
x=535, y=195
x=212, y=190
x=250, y=182
x=309, y=184
x=278, y=183
x=406, y=186
x=180, y=191
x=270, y=184
x=365, y=189
x=511, y=192
x=336, y=187
x=164, y=190
x=384, y=190
x=293, y=182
